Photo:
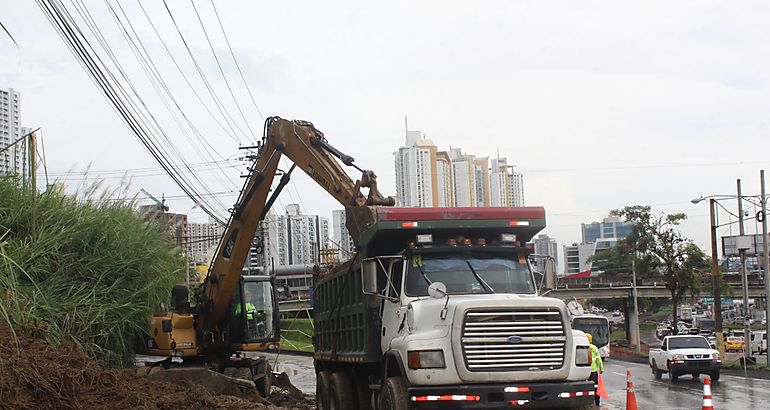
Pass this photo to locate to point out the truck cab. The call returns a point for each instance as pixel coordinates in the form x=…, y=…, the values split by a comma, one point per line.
x=452, y=317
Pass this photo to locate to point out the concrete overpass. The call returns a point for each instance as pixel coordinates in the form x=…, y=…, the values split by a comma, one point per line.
x=589, y=290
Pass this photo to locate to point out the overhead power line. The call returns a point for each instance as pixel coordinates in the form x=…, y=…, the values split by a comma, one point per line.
x=133, y=111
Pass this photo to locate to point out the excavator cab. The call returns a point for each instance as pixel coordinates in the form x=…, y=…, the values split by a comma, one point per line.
x=254, y=320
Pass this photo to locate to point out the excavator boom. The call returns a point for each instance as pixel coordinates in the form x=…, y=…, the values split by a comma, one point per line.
x=307, y=149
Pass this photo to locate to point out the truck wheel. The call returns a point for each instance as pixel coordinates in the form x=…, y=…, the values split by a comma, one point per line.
x=714, y=375
x=657, y=372
x=323, y=380
x=393, y=395
x=340, y=392
x=673, y=376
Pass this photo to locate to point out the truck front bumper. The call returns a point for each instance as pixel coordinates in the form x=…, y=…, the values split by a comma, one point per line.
x=495, y=396
x=696, y=366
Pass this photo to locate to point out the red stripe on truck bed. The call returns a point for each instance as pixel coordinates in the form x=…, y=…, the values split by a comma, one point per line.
x=439, y=214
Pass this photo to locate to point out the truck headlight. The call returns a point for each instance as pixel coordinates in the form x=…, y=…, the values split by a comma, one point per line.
x=426, y=359
x=582, y=356
x=677, y=357
x=715, y=357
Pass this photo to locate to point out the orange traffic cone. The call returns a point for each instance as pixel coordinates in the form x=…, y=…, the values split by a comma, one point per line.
x=707, y=403
x=630, y=395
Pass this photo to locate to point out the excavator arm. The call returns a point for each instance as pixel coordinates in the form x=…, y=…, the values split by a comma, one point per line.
x=307, y=149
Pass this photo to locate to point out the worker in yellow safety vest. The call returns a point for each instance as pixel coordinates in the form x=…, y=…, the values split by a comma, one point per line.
x=250, y=308
x=597, y=366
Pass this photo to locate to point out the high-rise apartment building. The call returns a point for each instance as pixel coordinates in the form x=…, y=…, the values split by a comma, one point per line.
x=293, y=238
x=470, y=176
x=426, y=177
x=506, y=186
x=11, y=159
x=444, y=185
x=342, y=239
x=415, y=171
x=545, y=245
x=204, y=238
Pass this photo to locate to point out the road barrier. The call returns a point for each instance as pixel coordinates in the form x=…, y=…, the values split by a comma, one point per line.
x=630, y=394
x=708, y=403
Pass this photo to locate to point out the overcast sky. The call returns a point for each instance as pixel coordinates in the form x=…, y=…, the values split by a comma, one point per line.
x=599, y=104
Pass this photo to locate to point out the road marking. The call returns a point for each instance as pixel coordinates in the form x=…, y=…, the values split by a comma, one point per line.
x=619, y=374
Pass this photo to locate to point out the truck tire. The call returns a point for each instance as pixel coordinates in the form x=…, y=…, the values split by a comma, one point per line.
x=714, y=375
x=672, y=376
x=393, y=395
x=323, y=380
x=655, y=371
x=340, y=392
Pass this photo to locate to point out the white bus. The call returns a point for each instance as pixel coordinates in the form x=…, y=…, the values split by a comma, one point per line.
x=598, y=327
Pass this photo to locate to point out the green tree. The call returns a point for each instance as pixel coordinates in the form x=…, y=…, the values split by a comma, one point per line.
x=658, y=239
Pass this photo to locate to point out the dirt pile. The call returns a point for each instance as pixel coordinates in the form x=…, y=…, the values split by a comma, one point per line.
x=34, y=374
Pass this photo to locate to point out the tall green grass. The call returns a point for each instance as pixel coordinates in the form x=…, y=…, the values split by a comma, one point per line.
x=87, y=271
x=297, y=334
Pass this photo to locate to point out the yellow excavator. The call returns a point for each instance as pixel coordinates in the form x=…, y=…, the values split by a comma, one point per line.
x=234, y=313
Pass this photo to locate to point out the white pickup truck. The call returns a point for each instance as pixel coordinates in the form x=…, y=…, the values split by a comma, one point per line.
x=685, y=354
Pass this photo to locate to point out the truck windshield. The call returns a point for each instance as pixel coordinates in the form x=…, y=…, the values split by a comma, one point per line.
x=468, y=272
x=698, y=342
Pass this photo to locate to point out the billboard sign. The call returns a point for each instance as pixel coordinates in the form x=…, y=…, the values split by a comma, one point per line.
x=752, y=244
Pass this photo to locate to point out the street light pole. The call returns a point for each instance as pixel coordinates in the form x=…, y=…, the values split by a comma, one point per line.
x=716, y=276
x=745, y=282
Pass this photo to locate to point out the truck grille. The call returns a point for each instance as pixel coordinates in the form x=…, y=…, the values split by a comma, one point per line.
x=515, y=339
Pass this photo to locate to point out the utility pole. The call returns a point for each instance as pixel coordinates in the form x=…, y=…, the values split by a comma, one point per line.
x=638, y=341
x=764, y=263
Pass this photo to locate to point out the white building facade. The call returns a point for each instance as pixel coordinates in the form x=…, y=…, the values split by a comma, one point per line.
x=11, y=159
x=414, y=179
x=203, y=240
x=293, y=238
x=506, y=186
x=343, y=242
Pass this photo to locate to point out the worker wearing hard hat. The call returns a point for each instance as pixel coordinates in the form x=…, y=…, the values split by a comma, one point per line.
x=597, y=366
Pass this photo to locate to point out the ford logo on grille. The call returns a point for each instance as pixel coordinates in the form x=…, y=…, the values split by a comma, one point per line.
x=514, y=339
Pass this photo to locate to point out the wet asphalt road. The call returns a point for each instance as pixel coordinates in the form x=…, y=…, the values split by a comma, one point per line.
x=730, y=392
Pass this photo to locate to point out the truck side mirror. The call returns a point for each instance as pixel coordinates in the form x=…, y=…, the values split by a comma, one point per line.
x=369, y=277
x=550, y=273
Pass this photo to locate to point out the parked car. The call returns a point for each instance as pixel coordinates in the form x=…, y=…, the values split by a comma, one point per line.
x=735, y=344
